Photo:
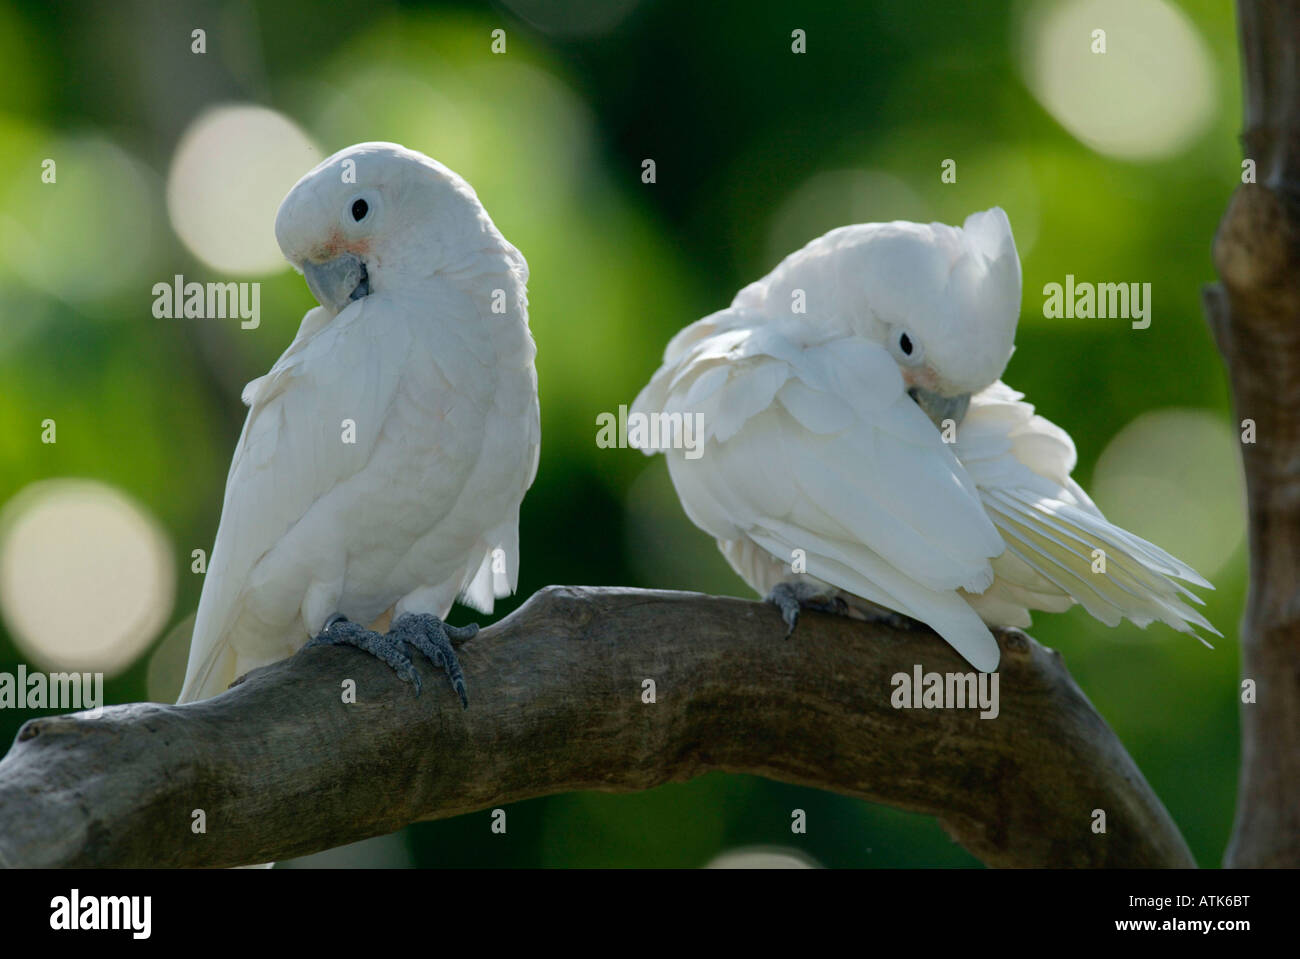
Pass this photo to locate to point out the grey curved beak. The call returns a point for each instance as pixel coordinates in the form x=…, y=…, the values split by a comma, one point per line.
x=939, y=407
x=337, y=282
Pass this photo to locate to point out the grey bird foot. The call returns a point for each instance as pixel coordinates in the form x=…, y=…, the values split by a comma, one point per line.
x=426, y=633
x=433, y=637
x=790, y=598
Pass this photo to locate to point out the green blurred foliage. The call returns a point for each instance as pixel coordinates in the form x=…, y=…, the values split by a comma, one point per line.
x=552, y=135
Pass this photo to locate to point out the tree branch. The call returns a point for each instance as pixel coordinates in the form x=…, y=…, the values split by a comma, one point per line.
x=282, y=767
x=1255, y=316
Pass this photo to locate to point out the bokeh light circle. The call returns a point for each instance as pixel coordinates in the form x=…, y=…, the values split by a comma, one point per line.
x=86, y=576
x=1173, y=477
x=762, y=857
x=228, y=175
x=1146, y=97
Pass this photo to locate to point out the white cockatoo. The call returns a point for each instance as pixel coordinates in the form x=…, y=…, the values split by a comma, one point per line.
x=386, y=453
x=860, y=453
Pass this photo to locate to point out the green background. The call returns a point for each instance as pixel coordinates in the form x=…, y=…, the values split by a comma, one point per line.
x=552, y=135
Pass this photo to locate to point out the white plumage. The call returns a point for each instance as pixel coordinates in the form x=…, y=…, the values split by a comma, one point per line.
x=435, y=369
x=818, y=450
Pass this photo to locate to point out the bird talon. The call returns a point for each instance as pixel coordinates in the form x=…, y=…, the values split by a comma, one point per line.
x=461, y=633
x=791, y=598
x=432, y=636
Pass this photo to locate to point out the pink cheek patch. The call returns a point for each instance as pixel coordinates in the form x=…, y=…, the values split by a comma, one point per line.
x=921, y=376
x=329, y=249
x=336, y=246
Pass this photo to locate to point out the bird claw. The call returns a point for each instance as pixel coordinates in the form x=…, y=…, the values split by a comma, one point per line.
x=426, y=633
x=433, y=637
x=791, y=598
x=460, y=635
x=783, y=599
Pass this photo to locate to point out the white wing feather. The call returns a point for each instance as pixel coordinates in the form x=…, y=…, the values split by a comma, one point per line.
x=820, y=449
x=813, y=445
x=289, y=454
x=1021, y=464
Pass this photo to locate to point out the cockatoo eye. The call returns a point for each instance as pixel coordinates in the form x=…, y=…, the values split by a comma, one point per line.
x=360, y=208
x=905, y=348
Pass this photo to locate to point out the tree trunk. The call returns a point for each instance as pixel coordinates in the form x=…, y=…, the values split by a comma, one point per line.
x=1255, y=316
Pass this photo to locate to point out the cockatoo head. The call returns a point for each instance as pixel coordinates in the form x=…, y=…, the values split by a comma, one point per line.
x=944, y=300
x=374, y=215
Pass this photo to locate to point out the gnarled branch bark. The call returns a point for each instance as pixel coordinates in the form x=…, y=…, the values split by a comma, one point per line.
x=281, y=766
x=1255, y=316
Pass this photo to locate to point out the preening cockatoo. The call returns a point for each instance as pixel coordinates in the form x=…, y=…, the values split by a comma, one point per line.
x=860, y=452
x=386, y=453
